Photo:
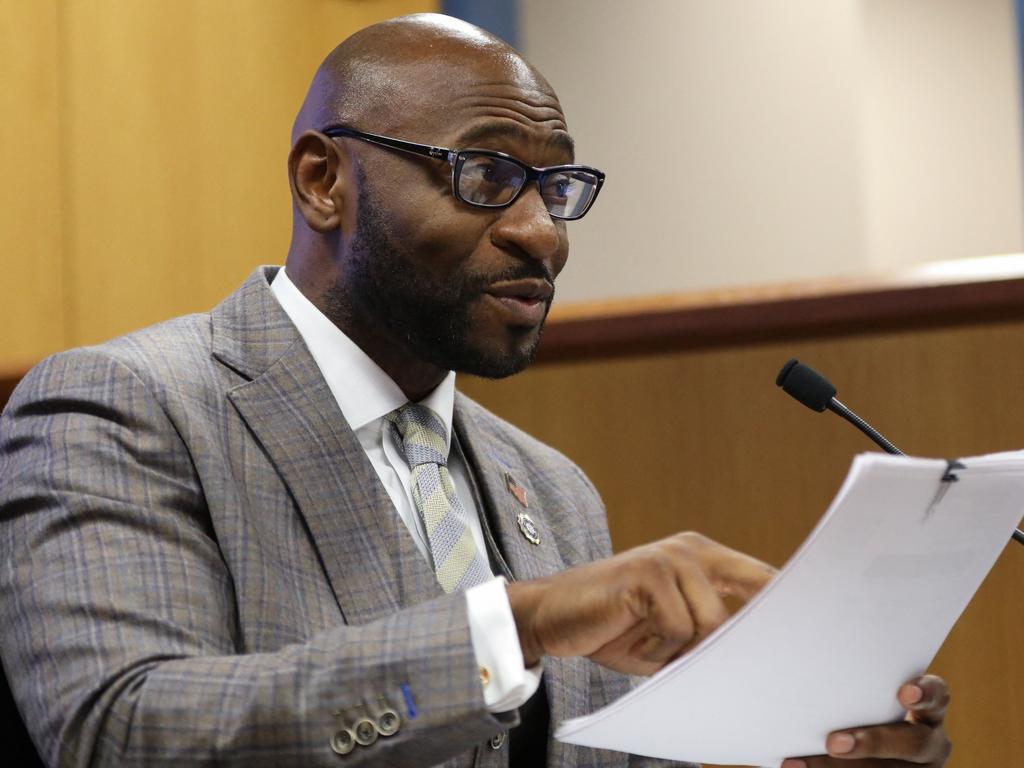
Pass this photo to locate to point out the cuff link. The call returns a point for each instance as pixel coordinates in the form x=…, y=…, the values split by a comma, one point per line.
x=498, y=740
x=343, y=741
x=485, y=676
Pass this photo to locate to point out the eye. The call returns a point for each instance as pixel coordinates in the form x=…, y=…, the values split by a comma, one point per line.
x=489, y=180
x=497, y=171
x=560, y=186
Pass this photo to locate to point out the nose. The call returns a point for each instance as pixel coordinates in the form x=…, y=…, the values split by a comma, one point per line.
x=527, y=227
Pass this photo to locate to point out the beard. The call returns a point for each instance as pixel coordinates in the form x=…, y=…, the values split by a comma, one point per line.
x=430, y=317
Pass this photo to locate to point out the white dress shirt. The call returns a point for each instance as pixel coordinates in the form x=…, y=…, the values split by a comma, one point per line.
x=366, y=395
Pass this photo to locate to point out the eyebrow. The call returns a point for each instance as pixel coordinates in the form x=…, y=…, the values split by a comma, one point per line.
x=560, y=139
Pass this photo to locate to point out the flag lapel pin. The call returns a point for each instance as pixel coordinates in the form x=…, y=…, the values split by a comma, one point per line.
x=517, y=491
x=526, y=525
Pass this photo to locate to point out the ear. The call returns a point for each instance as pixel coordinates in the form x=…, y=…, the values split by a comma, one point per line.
x=318, y=173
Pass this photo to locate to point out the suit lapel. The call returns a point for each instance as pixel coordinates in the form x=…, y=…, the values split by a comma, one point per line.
x=492, y=462
x=368, y=555
x=490, y=458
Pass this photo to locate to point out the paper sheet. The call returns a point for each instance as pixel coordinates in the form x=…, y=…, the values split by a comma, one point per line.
x=862, y=606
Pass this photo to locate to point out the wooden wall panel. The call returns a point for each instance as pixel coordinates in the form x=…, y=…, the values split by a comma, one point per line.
x=143, y=146
x=704, y=440
x=32, y=321
x=179, y=119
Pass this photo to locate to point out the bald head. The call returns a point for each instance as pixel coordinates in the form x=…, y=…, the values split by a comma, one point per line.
x=393, y=69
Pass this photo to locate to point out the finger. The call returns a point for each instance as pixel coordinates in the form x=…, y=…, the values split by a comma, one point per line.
x=824, y=761
x=672, y=626
x=702, y=600
x=730, y=572
x=913, y=743
x=620, y=654
x=926, y=699
x=666, y=623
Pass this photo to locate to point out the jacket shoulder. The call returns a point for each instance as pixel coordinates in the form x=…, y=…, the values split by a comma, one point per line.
x=158, y=357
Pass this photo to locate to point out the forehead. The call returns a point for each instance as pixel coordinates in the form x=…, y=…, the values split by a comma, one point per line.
x=497, y=99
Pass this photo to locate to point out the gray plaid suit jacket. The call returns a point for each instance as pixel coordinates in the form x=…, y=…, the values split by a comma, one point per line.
x=198, y=563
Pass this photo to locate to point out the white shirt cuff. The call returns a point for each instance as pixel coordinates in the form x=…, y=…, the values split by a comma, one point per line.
x=507, y=684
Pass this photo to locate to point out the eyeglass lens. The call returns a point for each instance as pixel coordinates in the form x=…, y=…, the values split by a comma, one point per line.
x=493, y=181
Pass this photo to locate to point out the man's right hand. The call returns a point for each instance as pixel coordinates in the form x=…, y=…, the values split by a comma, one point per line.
x=638, y=610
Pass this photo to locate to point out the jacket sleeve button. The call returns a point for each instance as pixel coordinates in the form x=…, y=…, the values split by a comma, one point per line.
x=366, y=732
x=388, y=723
x=343, y=742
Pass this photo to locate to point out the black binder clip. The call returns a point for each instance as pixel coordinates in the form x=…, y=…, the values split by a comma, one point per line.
x=951, y=476
x=948, y=478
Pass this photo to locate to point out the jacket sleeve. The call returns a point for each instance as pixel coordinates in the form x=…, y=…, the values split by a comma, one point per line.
x=118, y=622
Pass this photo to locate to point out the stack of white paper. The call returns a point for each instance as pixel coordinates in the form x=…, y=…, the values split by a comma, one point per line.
x=863, y=605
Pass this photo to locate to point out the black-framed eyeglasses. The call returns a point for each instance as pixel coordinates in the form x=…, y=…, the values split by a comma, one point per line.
x=490, y=179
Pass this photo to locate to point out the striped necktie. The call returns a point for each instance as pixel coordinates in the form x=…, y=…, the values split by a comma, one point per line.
x=423, y=437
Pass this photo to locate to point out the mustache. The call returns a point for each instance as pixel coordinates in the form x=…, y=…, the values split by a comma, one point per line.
x=526, y=270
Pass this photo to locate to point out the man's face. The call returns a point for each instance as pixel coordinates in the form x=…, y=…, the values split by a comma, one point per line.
x=460, y=287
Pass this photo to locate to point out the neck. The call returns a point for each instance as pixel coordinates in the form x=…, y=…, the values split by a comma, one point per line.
x=414, y=376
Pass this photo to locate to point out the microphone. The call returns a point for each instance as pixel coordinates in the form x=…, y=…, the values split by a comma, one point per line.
x=817, y=393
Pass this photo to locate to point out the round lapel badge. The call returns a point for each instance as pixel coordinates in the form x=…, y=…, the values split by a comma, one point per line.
x=528, y=528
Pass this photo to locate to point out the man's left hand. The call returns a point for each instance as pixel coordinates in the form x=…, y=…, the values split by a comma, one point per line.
x=920, y=740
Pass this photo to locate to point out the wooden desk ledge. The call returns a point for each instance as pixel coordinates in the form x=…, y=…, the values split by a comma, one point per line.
x=961, y=291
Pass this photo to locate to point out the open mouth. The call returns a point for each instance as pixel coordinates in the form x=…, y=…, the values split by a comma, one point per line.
x=524, y=301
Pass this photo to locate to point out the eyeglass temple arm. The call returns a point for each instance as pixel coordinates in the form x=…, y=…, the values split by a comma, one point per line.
x=424, y=150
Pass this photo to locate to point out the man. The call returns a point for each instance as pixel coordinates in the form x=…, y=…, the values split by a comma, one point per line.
x=267, y=535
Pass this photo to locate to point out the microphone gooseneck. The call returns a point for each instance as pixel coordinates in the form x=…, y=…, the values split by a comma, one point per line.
x=816, y=392
x=837, y=407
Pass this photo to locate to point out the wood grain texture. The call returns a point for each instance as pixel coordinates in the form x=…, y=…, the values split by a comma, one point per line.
x=703, y=440
x=144, y=150
x=179, y=121
x=937, y=294
x=32, y=316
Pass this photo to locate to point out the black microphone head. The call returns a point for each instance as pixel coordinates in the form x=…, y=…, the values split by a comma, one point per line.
x=806, y=385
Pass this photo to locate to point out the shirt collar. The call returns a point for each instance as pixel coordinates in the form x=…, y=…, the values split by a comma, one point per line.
x=364, y=392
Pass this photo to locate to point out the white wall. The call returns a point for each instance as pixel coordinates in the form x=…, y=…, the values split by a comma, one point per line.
x=750, y=142
x=942, y=114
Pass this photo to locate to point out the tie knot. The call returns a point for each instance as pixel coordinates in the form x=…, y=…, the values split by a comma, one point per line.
x=422, y=433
